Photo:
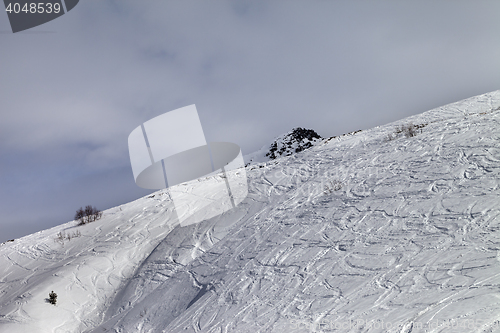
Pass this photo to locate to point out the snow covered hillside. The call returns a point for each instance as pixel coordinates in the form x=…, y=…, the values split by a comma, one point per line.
x=369, y=232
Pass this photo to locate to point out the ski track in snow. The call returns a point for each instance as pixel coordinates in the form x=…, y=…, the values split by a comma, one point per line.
x=409, y=243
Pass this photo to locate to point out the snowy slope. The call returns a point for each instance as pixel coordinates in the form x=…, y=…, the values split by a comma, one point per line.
x=357, y=234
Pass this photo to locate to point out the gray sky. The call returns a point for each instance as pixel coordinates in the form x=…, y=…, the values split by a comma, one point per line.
x=73, y=89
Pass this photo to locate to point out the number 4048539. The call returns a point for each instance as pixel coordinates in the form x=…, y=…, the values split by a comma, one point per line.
x=33, y=8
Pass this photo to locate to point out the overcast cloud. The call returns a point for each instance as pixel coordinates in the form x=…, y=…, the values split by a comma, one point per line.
x=73, y=89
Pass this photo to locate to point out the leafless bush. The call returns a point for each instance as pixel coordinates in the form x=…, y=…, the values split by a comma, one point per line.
x=409, y=130
x=87, y=215
x=390, y=137
x=62, y=236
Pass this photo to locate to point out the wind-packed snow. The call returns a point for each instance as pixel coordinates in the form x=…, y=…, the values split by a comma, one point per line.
x=368, y=232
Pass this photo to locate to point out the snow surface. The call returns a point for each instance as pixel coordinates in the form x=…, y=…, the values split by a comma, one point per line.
x=360, y=233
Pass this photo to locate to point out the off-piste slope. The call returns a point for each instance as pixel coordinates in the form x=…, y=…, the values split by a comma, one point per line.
x=369, y=232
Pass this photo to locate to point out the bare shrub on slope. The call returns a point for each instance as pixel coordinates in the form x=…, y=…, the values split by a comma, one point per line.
x=87, y=215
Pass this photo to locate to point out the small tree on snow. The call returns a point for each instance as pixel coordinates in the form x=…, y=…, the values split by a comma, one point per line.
x=52, y=297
